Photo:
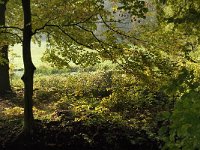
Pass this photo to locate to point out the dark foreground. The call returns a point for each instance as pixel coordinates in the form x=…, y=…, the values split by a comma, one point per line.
x=74, y=136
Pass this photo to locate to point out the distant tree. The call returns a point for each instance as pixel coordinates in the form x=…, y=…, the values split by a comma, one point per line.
x=4, y=64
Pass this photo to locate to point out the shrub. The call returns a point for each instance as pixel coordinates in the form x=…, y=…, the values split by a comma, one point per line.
x=183, y=130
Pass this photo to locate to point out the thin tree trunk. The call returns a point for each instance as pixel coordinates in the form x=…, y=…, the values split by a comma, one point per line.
x=4, y=68
x=29, y=69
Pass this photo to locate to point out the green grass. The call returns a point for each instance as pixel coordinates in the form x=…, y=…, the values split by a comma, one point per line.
x=43, y=68
x=37, y=53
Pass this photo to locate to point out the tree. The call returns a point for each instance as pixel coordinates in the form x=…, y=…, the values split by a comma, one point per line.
x=70, y=28
x=29, y=68
x=178, y=34
x=4, y=65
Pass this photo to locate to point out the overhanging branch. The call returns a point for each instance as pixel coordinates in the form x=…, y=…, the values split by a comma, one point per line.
x=87, y=30
x=65, y=25
x=70, y=36
x=14, y=34
x=118, y=32
x=102, y=43
x=41, y=28
x=10, y=27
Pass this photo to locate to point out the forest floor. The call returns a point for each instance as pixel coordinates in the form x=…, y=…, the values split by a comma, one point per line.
x=67, y=135
x=74, y=137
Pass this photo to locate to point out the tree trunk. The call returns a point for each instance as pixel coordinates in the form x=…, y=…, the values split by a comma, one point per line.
x=29, y=69
x=4, y=68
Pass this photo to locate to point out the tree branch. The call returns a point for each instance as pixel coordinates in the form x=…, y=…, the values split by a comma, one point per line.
x=65, y=25
x=80, y=22
x=118, y=32
x=70, y=36
x=102, y=43
x=14, y=34
x=10, y=27
x=41, y=28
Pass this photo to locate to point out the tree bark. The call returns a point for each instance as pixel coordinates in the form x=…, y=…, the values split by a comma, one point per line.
x=4, y=68
x=29, y=69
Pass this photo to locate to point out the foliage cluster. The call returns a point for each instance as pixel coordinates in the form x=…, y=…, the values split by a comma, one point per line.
x=163, y=70
x=96, y=99
x=178, y=36
x=183, y=121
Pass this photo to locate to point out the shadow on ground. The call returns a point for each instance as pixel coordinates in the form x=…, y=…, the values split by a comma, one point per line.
x=73, y=136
